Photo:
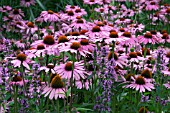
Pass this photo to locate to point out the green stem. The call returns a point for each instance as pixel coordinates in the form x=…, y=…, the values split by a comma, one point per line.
x=15, y=98
x=71, y=82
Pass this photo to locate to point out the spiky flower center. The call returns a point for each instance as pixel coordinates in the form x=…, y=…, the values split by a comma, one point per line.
x=127, y=34
x=75, y=33
x=19, y=23
x=153, y=32
x=100, y=24
x=57, y=82
x=80, y=21
x=82, y=32
x=122, y=30
x=110, y=55
x=146, y=73
x=30, y=24
x=49, y=39
x=68, y=66
x=122, y=19
x=62, y=39
x=165, y=36
x=84, y=42
x=16, y=79
x=148, y=35
x=113, y=35
x=40, y=47
x=51, y=66
x=101, y=10
x=128, y=76
x=96, y=29
x=163, y=31
x=21, y=57
x=153, y=3
x=75, y=45
x=168, y=55
x=70, y=13
x=72, y=7
x=16, y=11
x=168, y=10
x=50, y=12
x=92, y=0
x=78, y=10
x=143, y=110
x=133, y=55
x=139, y=54
x=140, y=80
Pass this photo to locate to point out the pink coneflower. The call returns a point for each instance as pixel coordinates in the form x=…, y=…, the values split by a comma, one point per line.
x=147, y=38
x=5, y=8
x=74, y=47
x=27, y=3
x=78, y=24
x=136, y=28
x=133, y=57
x=71, y=7
x=140, y=83
x=49, y=68
x=49, y=16
x=16, y=14
x=17, y=80
x=21, y=59
x=65, y=70
x=152, y=5
x=119, y=60
x=92, y=2
x=123, y=21
x=96, y=34
x=20, y=44
x=69, y=15
x=165, y=38
x=167, y=85
x=56, y=89
x=113, y=36
x=47, y=41
x=80, y=12
x=130, y=39
x=86, y=45
x=28, y=27
x=76, y=35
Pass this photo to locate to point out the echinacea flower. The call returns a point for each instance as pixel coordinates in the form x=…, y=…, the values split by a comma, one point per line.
x=21, y=59
x=16, y=14
x=65, y=70
x=56, y=89
x=27, y=3
x=47, y=41
x=74, y=47
x=48, y=68
x=17, y=80
x=5, y=8
x=49, y=16
x=92, y=2
x=140, y=83
x=147, y=38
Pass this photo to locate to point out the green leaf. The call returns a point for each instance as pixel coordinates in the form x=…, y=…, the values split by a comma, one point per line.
x=83, y=109
x=68, y=92
x=41, y=5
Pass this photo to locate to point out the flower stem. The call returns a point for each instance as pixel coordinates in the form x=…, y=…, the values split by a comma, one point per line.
x=15, y=99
